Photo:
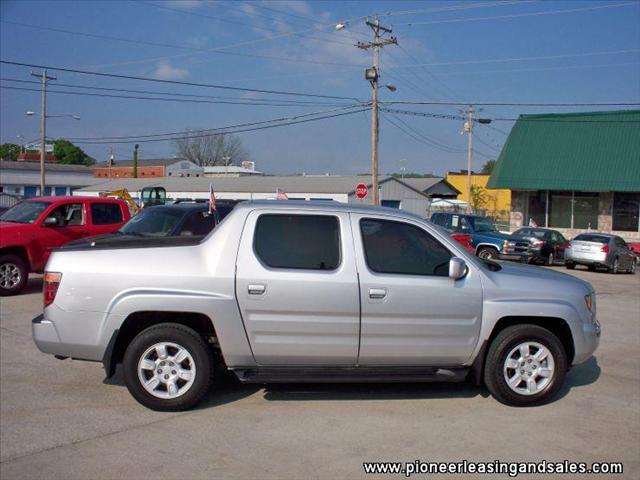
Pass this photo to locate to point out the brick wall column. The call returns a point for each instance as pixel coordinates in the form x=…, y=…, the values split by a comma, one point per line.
x=605, y=212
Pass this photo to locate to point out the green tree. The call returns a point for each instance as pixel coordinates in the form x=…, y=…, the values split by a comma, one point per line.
x=9, y=151
x=68, y=153
x=478, y=197
x=488, y=167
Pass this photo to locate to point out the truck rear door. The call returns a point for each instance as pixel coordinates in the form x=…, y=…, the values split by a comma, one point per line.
x=297, y=288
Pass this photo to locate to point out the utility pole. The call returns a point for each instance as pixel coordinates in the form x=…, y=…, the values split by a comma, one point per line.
x=135, y=161
x=371, y=74
x=468, y=128
x=43, y=125
x=111, y=160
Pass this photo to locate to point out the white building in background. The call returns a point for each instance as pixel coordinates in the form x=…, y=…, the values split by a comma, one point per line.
x=23, y=178
x=231, y=170
x=394, y=192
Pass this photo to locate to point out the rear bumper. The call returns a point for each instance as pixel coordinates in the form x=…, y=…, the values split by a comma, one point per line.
x=48, y=339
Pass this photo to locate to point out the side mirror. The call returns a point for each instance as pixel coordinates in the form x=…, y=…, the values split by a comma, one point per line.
x=50, y=222
x=457, y=268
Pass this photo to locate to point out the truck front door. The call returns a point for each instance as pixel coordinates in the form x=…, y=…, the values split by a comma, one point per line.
x=297, y=288
x=412, y=312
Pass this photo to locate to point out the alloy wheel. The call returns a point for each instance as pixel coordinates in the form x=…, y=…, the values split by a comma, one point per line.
x=529, y=368
x=10, y=275
x=166, y=370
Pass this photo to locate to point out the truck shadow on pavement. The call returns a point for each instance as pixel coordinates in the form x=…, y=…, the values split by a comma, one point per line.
x=230, y=390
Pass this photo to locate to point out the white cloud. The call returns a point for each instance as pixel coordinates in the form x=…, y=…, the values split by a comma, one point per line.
x=165, y=71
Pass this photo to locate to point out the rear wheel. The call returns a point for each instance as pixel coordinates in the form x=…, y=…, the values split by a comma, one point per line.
x=13, y=275
x=488, y=253
x=592, y=268
x=168, y=367
x=570, y=265
x=615, y=267
x=526, y=365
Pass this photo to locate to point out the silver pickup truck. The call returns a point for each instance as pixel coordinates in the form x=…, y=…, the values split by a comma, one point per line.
x=287, y=291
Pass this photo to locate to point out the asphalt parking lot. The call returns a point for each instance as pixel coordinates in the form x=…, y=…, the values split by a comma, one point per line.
x=59, y=419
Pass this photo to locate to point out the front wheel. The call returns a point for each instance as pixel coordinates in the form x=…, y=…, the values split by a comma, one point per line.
x=13, y=275
x=570, y=266
x=615, y=267
x=488, y=253
x=168, y=367
x=526, y=365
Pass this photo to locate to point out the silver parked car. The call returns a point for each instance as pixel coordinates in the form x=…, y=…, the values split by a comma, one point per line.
x=289, y=291
x=600, y=250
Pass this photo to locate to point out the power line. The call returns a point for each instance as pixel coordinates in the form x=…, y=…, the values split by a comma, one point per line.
x=463, y=6
x=218, y=129
x=521, y=59
x=512, y=104
x=218, y=50
x=174, y=100
x=177, y=82
x=434, y=143
x=518, y=15
x=238, y=100
x=226, y=131
x=233, y=22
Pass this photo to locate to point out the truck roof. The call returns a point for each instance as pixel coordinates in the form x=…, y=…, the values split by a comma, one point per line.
x=59, y=198
x=326, y=206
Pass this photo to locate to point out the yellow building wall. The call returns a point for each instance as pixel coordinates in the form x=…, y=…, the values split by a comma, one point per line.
x=498, y=201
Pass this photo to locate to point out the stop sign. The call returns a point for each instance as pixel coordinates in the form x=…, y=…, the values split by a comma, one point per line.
x=361, y=190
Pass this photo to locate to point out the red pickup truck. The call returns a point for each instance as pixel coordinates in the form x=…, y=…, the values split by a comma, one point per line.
x=32, y=228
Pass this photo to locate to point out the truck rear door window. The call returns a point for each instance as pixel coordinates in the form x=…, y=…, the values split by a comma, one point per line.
x=310, y=242
x=106, y=213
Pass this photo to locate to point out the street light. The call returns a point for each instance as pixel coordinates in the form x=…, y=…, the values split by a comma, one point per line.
x=43, y=131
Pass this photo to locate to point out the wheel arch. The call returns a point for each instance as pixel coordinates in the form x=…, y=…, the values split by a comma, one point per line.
x=556, y=325
x=136, y=322
x=19, y=251
x=489, y=245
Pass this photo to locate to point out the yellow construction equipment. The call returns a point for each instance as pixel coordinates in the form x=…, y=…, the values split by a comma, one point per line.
x=149, y=196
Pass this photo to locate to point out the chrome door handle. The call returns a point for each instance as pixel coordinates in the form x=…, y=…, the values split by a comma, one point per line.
x=255, y=289
x=377, y=293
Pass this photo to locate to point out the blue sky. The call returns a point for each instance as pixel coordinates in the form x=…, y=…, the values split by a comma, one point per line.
x=528, y=51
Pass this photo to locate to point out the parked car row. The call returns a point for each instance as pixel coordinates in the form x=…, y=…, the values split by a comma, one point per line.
x=540, y=245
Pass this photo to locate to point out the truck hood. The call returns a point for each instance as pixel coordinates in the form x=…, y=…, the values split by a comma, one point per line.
x=537, y=281
x=500, y=236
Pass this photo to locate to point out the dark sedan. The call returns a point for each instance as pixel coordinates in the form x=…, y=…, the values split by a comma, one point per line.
x=547, y=246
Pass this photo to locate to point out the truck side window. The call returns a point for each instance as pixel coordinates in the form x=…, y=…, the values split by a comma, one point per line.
x=106, y=213
x=68, y=215
x=401, y=248
x=310, y=242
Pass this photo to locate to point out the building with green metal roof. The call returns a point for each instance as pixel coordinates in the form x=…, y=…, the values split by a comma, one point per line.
x=574, y=171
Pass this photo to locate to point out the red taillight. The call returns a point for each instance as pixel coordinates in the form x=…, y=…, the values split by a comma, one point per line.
x=567, y=245
x=605, y=249
x=50, y=288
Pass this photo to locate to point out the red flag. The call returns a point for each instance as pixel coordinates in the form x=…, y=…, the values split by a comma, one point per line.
x=281, y=195
x=212, y=199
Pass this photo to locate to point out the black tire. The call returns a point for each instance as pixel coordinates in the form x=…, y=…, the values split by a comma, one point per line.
x=592, y=268
x=570, y=266
x=503, y=344
x=185, y=337
x=615, y=267
x=8, y=284
x=488, y=253
x=632, y=268
x=550, y=260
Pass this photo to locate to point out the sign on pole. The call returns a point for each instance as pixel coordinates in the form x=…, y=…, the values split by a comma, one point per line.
x=361, y=191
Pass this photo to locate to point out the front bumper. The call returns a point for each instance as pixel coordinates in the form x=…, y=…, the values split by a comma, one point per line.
x=590, y=340
x=515, y=257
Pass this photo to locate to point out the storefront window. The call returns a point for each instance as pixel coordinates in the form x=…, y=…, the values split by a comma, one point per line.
x=585, y=210
x=536, y=208
x=626, y=207
x=560, y=209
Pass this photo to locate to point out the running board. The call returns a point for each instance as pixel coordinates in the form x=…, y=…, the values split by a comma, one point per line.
x=349, y=374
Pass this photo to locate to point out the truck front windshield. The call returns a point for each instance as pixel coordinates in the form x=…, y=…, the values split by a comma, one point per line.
x=153, y=222
x=24, y=212
x=483, y=225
